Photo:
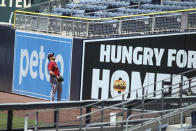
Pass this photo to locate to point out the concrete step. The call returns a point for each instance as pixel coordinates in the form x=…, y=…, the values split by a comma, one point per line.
x=176, y=127
x=188, y=120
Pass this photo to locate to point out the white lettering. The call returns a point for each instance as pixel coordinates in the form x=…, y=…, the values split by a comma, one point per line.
x=148, y=54
x=100, y=84
x=59, y=58
x=18, y=4
x=127, y=54
x=23, y=72
x=158, y=56
x=181, y=58
x=137, y=58
x=116, y=55
x=27, y=5
x=36, y=60
x=105, y=53
x=33, y=63
x=10, y=3
x=171, y=58
x=46, y=70
x=41, y=58
x=2, y=3
x=191, y=59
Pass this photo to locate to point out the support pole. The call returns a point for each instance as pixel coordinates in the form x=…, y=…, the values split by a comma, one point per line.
x=9, y=120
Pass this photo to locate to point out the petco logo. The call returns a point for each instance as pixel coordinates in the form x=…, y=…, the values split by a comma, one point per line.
x=36, y=64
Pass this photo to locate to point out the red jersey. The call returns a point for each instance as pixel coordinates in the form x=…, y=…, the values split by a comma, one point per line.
x=52, y=66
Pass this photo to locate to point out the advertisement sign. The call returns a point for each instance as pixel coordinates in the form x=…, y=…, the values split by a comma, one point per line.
x=135, y=62
x=31, y=75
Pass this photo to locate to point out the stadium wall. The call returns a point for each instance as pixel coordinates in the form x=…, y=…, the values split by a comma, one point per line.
x=93, y=65
x=139, y=61
x=7, y=35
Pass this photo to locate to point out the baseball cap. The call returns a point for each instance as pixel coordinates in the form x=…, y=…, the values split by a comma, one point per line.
x=50, y=55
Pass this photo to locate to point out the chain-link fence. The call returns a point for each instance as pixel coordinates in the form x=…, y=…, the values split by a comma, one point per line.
x=174, y=21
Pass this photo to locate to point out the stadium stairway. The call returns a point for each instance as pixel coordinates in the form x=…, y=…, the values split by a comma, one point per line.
x=172, y=98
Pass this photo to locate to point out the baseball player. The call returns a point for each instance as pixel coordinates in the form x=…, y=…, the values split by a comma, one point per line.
x=55, y=78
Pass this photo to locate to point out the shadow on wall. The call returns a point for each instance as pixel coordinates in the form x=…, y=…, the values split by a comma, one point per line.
x=7, y=36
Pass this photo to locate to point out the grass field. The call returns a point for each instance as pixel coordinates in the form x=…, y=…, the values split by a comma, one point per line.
x=18, y=122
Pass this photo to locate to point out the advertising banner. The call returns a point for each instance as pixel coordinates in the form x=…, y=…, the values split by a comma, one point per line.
x=31, y=75
x=138, y=61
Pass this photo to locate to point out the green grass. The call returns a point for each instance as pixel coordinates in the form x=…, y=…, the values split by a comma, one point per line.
x=18, y=122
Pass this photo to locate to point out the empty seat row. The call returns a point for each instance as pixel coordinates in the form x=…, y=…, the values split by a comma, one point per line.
x=179, y=3
x=136, y=11
x=163, y=7
x=67, y=11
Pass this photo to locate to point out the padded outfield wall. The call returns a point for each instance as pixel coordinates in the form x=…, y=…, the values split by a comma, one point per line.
x=139, y=61
x=7, y=34
x=31, y=76
x=91, y=66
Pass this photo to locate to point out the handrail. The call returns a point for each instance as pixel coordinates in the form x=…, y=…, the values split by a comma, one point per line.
x=154, y=112
x=133, y=99
x=135, y=108
x=163, y=111
x=140, y=88
x=109, y=18
x=105, y=123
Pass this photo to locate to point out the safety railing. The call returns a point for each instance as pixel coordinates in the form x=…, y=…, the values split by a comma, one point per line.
x=146, y=99
x=157, y=119
x=102, y=109
x=171, y=21
x=143, y=89
x=142, y=99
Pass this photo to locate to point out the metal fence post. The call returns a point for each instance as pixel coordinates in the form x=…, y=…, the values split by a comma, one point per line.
x=184, y=21
x=87, y=29
x=26, y=122
x=36, y=121
x=88, y=118
x=102, y=114
x=142, y=103
x=48, y=24
x=180, y=86
x=80, y=119
x=162, y=98
x=123, y=98
x=181, y=117
x=60, y=21
x=120, y=27
x=153, y=23
x=9, y=120
x=56, y=119
x=73, y=31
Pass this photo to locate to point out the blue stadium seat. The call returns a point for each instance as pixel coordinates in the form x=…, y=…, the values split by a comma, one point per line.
x=71, y=5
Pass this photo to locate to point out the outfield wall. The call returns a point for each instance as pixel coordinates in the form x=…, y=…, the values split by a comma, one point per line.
x=90, y=67
x=7, y=35
x=31, y=75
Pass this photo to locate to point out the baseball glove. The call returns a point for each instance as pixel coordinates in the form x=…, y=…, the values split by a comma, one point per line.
x=60, y=78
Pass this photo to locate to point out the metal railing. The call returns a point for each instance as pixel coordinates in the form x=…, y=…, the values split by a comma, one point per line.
x=142, y=96
x=101, y=109
x=159, y=22
x=158, y=119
